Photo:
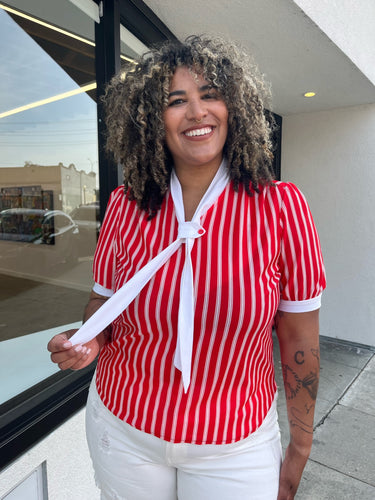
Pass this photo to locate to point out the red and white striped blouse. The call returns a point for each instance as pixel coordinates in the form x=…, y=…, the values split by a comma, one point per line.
x=259, y=253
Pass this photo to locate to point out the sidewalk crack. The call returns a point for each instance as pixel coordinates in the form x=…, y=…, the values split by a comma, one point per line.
x=324, y=418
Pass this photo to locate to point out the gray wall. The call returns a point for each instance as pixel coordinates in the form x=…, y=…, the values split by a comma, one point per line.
x=350, y=25
x=330, y=155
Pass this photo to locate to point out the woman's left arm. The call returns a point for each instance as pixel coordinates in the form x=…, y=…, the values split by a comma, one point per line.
x=298, y=335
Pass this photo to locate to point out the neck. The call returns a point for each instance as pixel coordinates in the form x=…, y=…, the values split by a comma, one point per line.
x=196, y=177
x=194, y=183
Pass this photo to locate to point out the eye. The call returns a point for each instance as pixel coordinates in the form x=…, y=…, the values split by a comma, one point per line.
x=176, y=102
x=212, y=93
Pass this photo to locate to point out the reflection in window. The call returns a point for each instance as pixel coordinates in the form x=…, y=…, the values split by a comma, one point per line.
x=48, y=183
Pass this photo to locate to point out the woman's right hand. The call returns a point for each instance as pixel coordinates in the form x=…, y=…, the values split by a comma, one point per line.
x=81, y=355
x=71, y=357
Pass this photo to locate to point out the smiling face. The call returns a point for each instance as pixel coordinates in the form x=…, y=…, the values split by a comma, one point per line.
x=196, y=122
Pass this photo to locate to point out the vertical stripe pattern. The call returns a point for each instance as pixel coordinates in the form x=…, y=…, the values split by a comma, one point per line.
x=256, y=249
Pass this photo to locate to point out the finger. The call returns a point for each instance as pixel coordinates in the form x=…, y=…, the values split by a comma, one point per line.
x=66, y=355
x=83, y=362
x=71, y=359
x=60, y=342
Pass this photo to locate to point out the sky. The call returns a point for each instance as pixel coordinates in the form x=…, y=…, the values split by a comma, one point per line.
x=64, y=131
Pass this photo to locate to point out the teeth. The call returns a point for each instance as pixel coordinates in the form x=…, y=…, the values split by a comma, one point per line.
x=201, y=131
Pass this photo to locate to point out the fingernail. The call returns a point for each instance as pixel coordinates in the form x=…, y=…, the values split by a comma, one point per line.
x=78, y=348
x=88, y=352
x=67, y=344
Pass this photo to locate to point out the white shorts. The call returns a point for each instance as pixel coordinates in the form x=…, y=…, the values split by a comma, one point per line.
x=133, y=465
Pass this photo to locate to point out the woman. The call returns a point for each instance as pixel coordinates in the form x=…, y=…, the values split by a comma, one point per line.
x=212, y=253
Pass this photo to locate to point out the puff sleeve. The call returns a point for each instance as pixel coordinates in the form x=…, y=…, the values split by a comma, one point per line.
x=104, y=258
x=301, y=263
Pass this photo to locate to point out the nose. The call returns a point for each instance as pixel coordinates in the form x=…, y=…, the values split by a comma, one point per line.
x=196, y=110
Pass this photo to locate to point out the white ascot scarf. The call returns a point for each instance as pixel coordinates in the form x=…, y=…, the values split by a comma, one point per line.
x=188, y=231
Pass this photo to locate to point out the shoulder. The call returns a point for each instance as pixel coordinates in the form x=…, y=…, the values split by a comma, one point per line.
x=278, y=190
x=285, y=187
x=118, y=194
x=117, y=206
x=285, y=199
x=278, y=193
x=287, y=192
x=120, y=198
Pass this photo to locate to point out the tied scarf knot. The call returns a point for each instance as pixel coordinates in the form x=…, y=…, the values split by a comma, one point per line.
x=190, y=229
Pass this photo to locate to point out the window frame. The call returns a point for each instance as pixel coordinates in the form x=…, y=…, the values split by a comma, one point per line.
x=276, y=139
x=31, y=415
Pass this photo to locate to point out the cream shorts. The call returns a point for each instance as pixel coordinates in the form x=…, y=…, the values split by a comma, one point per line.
x=132, y=465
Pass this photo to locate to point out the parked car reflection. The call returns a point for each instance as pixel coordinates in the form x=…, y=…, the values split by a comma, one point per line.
x=87, y=218
x=42, y=237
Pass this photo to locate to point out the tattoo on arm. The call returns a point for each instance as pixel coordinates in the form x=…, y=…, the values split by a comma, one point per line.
x=309, y=408
x=310, y=383
x=297, y=421
x=293, y=383
x=315, y=353
x=299, y=357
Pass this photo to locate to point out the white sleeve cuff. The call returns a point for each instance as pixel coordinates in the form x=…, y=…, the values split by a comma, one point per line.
x=106, y=292
x=300, y=306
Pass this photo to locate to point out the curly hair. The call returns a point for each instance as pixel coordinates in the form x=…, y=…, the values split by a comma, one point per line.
x=136, y=98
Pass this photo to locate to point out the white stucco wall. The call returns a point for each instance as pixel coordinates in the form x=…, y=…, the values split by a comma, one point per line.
x=350, y=24
x=69, y=471
x=330, y=155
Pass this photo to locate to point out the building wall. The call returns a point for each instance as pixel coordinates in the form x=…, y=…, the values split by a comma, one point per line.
x=330, y=155
x=350, y=25
x=68, y=464
x=70, y=187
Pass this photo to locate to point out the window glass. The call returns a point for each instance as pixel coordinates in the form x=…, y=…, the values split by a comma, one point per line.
x=48, y=181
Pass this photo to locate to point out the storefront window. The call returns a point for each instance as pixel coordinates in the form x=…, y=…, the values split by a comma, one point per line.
x=55, y=181
x=49, y=190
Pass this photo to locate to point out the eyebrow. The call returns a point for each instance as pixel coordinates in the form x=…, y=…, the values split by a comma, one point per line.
x=183, y=92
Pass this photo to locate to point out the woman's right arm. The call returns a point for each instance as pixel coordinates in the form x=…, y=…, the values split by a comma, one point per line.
x=79, y=356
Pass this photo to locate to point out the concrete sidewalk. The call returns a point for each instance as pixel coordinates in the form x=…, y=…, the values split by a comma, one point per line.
x=342, y=461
